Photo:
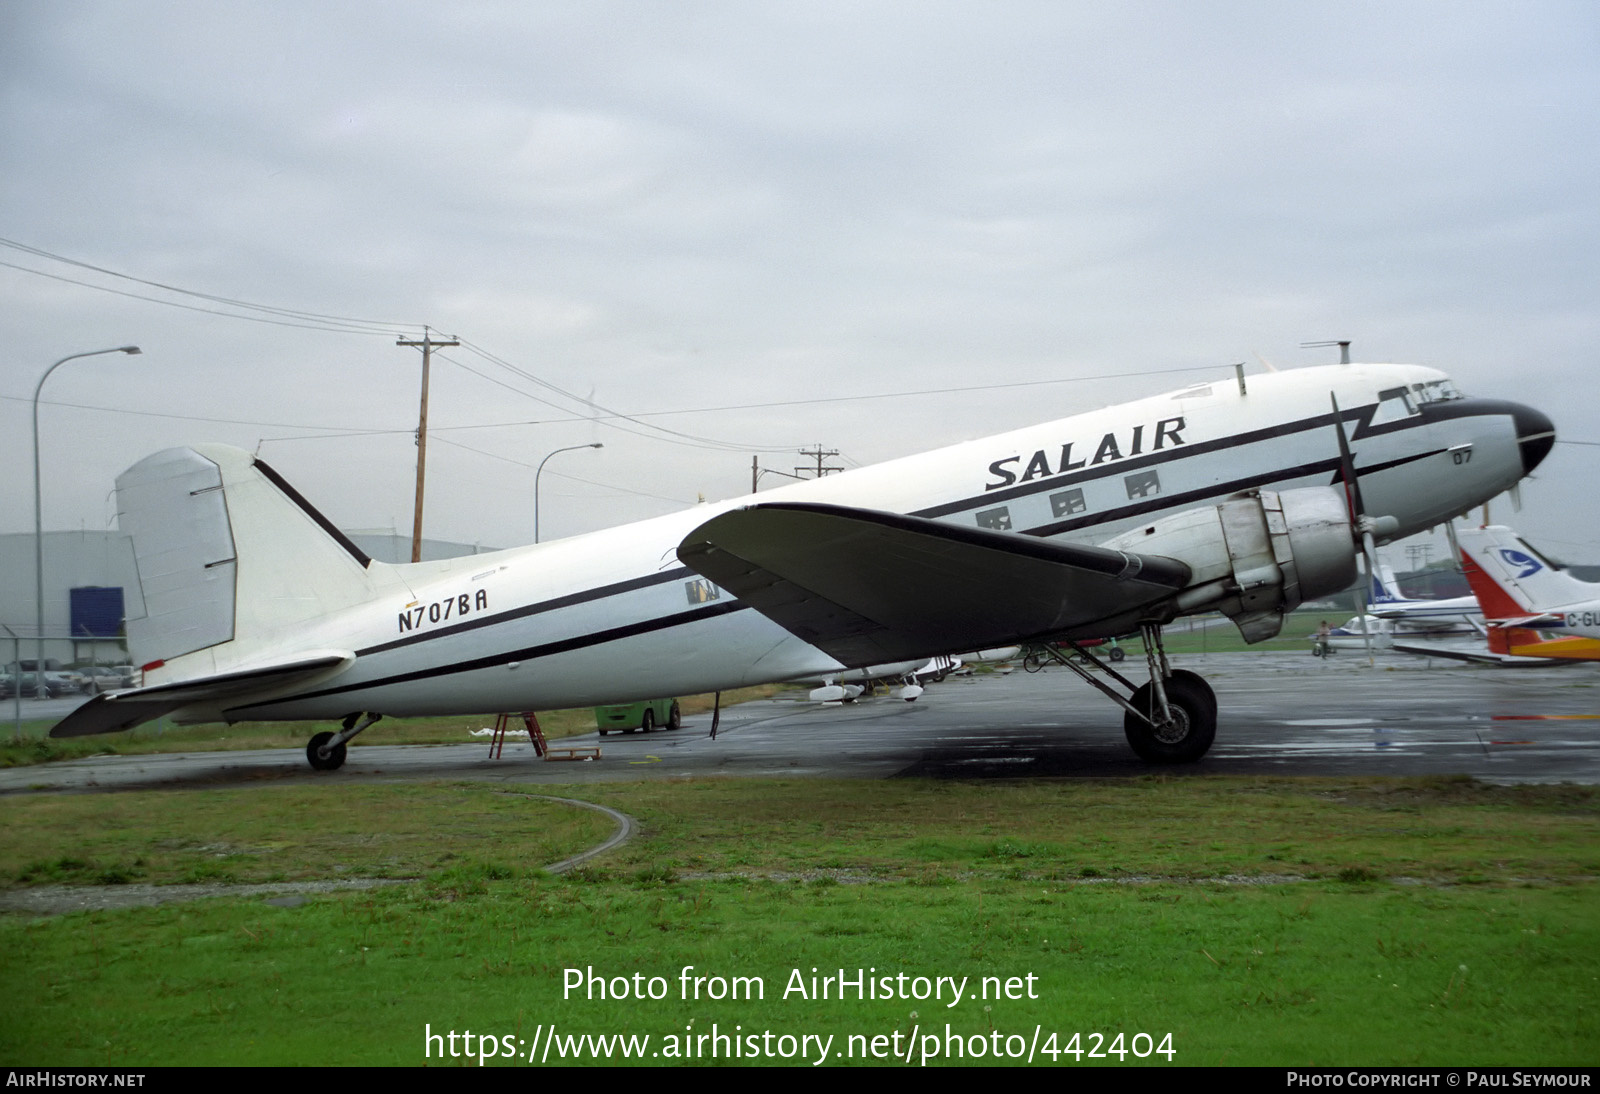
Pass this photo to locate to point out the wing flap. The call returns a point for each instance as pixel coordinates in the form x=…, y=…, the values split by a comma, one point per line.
x=115, y=711
x=868, y=587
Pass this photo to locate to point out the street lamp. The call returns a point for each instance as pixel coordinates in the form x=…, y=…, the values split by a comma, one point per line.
x=536, y=474
x=40, y=691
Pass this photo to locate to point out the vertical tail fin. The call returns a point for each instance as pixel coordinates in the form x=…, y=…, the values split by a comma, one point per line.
x=1493, y=599
x=1520, y=575
x=1382, y=586
x=231, y=559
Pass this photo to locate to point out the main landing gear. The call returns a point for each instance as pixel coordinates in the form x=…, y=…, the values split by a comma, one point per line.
x=1170, y=720
x=325, y=751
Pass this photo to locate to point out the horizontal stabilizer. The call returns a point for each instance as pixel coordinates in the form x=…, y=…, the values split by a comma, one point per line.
x=115, y=711
x=868, y=587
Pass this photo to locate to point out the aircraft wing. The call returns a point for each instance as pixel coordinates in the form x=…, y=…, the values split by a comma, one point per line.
x=114, y=711
x=1529, y=621
x=868, y=587
x=1480, y=655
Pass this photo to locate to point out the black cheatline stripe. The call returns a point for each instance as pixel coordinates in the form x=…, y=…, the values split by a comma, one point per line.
x=1361, y=416
x=1123, y=466
x=617, y=589
x=529, y=653
x=1168, y=501
x=311, y=511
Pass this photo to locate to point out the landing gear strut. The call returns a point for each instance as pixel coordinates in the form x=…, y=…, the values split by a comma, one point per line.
x=1172, y=719
x=325, y=751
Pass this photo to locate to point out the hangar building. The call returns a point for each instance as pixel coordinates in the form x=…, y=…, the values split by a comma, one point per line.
x=91, y=586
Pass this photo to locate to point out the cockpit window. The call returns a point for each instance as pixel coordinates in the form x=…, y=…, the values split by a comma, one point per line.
x=1394, y=404
x=1435, y=391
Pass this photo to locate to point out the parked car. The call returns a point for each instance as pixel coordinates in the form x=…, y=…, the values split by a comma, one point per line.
x=627, y=717
x=56, y=682
x=98, y=678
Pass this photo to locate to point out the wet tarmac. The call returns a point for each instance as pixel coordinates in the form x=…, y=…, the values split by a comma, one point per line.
x=1280, y=714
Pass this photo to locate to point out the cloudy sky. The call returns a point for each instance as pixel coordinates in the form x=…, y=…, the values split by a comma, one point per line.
x=704, y=232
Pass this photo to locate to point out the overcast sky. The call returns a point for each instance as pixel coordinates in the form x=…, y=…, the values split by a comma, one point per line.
x=843, y=209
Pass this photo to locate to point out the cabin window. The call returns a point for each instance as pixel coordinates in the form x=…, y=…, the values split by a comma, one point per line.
x=1067, y=502
x=1146, y=484
x=998, y=519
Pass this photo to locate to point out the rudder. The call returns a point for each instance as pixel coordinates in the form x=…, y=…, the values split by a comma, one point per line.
x=229, y=556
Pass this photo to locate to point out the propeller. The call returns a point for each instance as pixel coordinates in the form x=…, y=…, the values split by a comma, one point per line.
x=1359, y=520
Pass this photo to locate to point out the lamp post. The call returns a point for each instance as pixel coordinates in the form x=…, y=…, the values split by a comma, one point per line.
x=40, y=691
x=536, y=474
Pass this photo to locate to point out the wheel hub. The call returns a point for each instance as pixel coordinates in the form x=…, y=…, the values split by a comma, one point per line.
x=1175, y=729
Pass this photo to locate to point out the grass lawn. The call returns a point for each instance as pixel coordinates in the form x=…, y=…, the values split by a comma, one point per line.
x=1265, y=921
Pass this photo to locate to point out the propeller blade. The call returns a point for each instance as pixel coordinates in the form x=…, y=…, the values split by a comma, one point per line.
x=1358, y=519
x=1347, y=464
x=1371, y=551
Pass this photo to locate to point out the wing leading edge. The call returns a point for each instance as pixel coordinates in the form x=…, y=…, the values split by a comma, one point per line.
x=868, y=587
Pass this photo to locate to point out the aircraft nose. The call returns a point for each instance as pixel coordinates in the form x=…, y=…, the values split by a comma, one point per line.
x=1536, y=435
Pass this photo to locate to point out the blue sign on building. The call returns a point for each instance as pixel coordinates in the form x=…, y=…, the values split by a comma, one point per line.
x=97, y=611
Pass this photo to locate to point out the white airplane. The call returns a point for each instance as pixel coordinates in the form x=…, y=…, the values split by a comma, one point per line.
x=1523, y=593
x=1212, y=498
x=1411, y=617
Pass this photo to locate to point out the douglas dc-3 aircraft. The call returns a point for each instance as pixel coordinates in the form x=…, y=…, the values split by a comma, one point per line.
x=1213, y=498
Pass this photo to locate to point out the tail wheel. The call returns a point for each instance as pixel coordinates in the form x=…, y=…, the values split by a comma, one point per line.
x=1187, y=735
x=649, y=721
x=323, y=758
x=675, y=719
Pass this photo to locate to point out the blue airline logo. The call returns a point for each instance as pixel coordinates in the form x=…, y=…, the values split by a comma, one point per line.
x=1525, y=564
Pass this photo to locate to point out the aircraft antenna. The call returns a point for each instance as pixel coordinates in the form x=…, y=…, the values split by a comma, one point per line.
x=1342, y=343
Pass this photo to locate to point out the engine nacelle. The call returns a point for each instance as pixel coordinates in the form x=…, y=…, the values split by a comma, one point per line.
x=1257, y=555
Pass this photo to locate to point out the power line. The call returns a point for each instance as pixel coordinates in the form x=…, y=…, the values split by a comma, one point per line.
x=603, y=418
x=348, y=323
x=562, y=474
x=608, y=416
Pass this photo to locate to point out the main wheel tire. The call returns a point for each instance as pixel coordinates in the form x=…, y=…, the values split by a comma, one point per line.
x=1198, y=682
x=649, y=721
x=332, y=761
x=675, y=719
x=1118, y=653
x=1189, y=734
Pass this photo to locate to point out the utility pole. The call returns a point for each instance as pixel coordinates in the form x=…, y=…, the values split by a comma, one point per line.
x=756, y=471
x=818, y=454
x=427, y=345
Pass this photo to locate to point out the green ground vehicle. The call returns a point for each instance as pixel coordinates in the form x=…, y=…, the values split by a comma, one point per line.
x=627, y=717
